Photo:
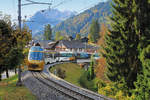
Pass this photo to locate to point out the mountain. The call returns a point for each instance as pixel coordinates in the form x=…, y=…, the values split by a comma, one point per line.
x=80, y=23
x=41, y=18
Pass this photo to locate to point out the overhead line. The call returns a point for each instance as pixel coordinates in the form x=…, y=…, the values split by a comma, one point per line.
x=64, y=1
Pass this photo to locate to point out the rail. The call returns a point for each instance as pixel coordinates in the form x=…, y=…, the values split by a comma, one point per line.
x=65, y=88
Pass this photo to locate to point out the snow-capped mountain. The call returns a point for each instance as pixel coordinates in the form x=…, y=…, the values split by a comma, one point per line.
x=41, y=18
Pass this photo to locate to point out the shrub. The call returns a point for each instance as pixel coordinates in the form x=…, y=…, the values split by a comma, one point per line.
x=61, y=73
x=114, y=90
x=89, y=84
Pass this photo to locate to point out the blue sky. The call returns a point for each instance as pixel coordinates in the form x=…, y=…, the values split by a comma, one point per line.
x=10, y=6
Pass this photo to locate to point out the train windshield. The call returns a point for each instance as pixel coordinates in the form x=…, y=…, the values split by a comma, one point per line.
x=35, y=56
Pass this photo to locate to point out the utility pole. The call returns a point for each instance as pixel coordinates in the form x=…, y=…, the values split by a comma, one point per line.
x=19, y=82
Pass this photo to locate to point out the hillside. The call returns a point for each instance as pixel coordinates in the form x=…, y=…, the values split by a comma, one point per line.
x=80, y=23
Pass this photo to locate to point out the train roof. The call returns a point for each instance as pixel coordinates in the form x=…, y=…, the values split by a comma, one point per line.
x=36, y=48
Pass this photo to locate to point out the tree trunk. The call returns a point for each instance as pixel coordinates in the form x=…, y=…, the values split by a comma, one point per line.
x=7, y=74
x=0, y=76
x=0, y=73
x=15, y=70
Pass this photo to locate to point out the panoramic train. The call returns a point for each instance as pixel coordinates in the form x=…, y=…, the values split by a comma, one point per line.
x=66, y=56
x=62, y=56
x=53, y=56
x=36, y=58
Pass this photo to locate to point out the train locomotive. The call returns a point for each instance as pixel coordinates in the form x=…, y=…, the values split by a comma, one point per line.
x=36, y=58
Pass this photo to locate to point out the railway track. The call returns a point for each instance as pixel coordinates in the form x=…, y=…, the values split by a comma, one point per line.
x=69, y=91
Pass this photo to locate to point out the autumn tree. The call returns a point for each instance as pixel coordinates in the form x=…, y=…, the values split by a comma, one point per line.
x=6, y=41
x=103, y=32
x=59, y=36
x=78, y=37
x=101, y=66
x=47, y=32
x=12, y=44
x=22, y=38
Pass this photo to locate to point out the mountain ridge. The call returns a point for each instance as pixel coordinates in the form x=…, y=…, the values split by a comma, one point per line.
x=81, y=22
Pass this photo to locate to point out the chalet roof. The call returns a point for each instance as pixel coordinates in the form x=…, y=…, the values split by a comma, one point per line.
x=72, y=44
x=43, y=43
x=52, y=45
x=76, y=44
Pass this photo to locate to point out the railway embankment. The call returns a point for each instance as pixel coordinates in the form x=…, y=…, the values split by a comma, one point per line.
x=41, y=91
x=51, y=87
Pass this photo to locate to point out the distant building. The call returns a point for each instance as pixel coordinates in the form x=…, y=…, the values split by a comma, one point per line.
x=70, y=38
x=74, y=46
x=43, y=43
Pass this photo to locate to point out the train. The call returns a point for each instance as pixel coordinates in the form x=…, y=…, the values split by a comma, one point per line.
x=66, y=56
x=63, y=56
x=53, y=56
x=36, y=58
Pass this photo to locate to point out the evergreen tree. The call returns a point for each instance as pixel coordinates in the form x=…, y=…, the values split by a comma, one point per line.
x=142, y=23
x=48, y=32
x=142, y=91
x=121, y=44
x=94, y=31
x=91, y=74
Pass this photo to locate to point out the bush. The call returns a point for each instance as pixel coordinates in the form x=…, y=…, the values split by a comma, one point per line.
x=61, y=73
x=114, y=90
x=89, y=84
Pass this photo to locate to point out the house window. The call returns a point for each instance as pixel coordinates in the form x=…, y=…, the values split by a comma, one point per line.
x=80, y=49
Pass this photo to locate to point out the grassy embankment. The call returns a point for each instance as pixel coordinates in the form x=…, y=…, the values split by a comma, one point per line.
x=76, y=75
x=9, y=91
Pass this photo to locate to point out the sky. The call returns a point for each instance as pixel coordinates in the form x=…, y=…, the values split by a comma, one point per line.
x=10, y=6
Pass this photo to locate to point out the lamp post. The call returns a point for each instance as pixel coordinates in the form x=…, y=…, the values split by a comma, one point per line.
x=30, y=2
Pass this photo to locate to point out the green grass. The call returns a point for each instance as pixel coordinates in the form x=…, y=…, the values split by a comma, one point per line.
x=73, y=72
x=77, y=76
x=9, y=91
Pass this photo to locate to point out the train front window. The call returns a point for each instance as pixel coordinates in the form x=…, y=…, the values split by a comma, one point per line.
x=35, y=56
